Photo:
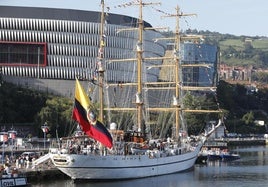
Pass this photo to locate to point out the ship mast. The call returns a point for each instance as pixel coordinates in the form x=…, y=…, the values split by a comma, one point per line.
x=139, y=60
x=100, y=63
x=177, y=77
x=177, y=67
x=139, y=102
x=178, y=70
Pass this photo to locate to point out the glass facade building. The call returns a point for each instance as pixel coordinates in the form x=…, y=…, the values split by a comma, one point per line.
x=61, y=44
x=199, y=54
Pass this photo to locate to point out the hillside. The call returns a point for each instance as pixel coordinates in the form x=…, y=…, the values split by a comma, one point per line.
x=245, y=51
x=238, y=44
x=236, y=50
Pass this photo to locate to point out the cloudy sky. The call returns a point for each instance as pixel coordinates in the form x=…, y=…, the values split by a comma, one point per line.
x=238, y=17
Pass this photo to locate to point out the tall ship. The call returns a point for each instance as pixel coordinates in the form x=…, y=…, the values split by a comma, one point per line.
x=95, y=152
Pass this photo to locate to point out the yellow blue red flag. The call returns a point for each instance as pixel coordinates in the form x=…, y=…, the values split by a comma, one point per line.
x=81, y=111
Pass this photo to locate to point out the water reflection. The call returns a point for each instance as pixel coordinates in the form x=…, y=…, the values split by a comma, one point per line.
x=174, y=180
x=250, y=170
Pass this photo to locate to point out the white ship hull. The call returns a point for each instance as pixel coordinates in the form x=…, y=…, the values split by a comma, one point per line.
x=96, y=167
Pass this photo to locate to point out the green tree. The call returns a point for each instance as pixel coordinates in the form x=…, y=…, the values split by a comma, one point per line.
x=19, y=105
x=196, y=122
x=57, y=113
x=248, y=48
x=248, y=118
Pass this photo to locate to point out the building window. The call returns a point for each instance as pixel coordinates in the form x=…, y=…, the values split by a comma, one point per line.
x=22, y=54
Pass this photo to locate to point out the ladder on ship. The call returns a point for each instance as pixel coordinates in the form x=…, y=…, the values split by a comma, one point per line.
x=41, y=159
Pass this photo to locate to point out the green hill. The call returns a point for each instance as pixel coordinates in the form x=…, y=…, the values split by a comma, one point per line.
x=236, y=50
x=260, y=43
x=241, y=50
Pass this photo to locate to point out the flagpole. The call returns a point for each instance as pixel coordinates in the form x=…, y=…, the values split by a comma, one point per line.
x=3, y=153
x=3, y=150
x=100, y=63
x=4, y=139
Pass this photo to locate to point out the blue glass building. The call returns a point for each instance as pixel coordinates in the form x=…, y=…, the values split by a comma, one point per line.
x=192, y=53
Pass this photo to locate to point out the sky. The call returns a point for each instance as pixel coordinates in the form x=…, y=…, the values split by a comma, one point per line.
x=237, y=17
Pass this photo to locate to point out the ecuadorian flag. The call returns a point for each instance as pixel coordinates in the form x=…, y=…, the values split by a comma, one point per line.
x=81, y=108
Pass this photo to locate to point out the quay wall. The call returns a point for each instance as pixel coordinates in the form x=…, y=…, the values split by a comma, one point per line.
x=242, y=141
x=38, y=175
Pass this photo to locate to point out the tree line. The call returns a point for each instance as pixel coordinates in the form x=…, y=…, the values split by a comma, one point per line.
x=241, y=107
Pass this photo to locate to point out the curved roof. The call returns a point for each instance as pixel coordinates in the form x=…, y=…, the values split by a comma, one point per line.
x=66, y=14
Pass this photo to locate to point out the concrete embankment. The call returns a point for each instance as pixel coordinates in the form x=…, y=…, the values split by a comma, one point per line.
x=36, y=175
x=242, y=141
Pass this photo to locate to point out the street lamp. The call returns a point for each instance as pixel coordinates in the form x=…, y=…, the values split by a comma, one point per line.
x=45, y=130
x=3, y=138
x=12, y=135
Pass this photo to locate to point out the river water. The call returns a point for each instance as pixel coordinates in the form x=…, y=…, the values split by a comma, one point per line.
x=249, y=171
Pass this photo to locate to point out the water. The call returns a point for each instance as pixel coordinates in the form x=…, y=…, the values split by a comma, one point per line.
x=249, y=171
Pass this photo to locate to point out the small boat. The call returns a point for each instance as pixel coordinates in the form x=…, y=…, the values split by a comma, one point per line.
x=217, y=154
x=214, y=155
x=13, y=178
x=13, y=181
x=228, y=156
